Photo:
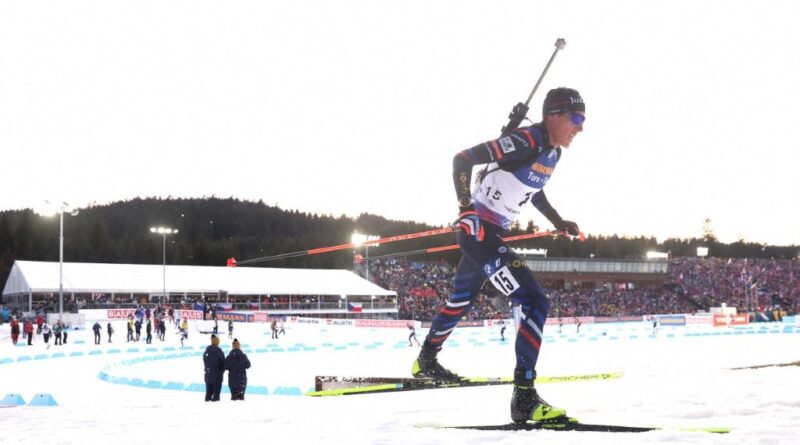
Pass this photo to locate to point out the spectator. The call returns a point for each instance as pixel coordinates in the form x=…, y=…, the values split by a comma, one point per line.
x=214, y=362
x=96, y=328
x=28, y=329
x=14, y=331
x=39, y=323
x=149, y=332
x=237, y=364
x=57, y=332
x=129, y=326
x=137, y=325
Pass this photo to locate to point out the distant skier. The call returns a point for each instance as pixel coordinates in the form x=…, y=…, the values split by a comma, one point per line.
x=274, y=328
x=46, y=331
x=110, y=330
x=230, y=328
x=503, y=333
x=184, y=335
x=655, y=325
x=216, y=327
x=281, y=330
x=412, y=334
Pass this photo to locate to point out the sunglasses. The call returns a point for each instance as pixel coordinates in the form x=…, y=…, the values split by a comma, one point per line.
x=577, y=119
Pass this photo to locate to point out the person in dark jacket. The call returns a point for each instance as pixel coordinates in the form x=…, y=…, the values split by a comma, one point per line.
x=237, y=365
x=110, y=331
x=214, y=361
x=137, y=325
x=96, y=328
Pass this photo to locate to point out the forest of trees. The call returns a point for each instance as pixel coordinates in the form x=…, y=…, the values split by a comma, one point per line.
x=214, y=229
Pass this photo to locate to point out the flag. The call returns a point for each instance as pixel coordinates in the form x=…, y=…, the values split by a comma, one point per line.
x=353, y=307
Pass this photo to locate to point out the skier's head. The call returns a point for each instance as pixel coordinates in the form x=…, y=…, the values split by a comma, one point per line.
x=563, y=113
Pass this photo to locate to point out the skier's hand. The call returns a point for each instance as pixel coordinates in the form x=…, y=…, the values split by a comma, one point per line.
x=470, y=223
x=568, y=226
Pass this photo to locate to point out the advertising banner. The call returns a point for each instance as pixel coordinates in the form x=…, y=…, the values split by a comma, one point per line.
x=362, y=323
x=569, y=320
x=461, y=324
x=672, y=320
x=698, y=319
x=506, y=322
x=730, y=320
x=621, y=319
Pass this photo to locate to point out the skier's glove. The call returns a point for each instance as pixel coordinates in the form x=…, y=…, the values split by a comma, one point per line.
x=470, y=223
x=568, y=226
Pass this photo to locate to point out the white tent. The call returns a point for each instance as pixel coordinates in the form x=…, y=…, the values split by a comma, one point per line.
x=39, y=276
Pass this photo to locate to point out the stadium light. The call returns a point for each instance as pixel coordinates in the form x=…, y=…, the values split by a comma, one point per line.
x=357, y=239
x=164, y=231
x=48, y=210
x=654, y=255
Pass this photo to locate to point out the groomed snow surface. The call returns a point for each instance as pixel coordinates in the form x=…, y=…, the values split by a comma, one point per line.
x=679, y=378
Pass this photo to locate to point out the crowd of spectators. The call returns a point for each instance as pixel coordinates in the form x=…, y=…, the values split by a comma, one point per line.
x=423, y=287
x=692, y=285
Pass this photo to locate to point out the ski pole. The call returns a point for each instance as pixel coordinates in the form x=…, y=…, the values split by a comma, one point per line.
x=520, y=110
x=507, y=239
x=318, y=250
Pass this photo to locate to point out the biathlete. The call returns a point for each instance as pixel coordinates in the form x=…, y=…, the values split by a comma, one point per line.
x=519, y=165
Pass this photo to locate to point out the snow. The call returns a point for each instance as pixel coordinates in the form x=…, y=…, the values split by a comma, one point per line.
x=678, y=379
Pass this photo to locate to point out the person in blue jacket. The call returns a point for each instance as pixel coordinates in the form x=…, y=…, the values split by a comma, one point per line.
x=237, y=365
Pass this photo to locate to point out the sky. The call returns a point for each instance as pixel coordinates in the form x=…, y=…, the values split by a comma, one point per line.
x=344, y=107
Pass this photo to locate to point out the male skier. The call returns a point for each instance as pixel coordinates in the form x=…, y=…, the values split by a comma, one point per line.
x=520, y=164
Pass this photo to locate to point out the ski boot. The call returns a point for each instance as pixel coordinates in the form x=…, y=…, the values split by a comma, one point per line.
x=426, y=366
x=527, y=405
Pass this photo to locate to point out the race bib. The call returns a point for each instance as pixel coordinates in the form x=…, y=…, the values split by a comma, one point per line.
x=504, y=281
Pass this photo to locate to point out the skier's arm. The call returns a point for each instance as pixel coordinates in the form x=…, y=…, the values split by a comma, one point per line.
x=539, y=200
x=514, y=147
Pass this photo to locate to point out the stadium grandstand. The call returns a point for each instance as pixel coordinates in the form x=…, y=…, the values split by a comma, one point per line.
x=33, y=286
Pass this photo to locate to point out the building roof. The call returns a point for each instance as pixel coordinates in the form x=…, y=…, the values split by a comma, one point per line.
x=41, y=276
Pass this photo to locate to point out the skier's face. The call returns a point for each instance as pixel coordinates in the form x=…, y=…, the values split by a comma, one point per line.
x=563, y=127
